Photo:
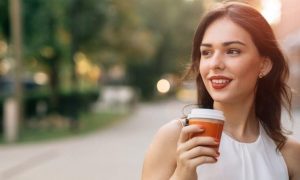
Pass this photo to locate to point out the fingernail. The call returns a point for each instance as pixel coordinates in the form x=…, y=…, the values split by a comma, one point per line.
x=200, y=126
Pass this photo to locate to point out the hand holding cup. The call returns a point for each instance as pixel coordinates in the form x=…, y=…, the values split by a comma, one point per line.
x=211, y=120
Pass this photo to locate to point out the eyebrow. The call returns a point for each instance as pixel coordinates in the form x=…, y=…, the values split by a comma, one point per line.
x=224, y=43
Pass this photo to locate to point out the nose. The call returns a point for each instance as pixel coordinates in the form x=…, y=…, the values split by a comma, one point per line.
x=217, y=61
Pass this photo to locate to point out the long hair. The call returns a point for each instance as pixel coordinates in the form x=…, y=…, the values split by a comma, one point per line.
x=272, y=91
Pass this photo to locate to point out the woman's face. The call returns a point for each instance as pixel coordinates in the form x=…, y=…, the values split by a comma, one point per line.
x=230, y=63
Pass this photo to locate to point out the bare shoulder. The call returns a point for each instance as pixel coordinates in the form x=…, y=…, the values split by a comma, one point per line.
x=160, y=159
x=166, y=137
x=170, y=131
x=291, y=153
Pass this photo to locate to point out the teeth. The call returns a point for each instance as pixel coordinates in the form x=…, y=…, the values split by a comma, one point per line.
x=220, y=81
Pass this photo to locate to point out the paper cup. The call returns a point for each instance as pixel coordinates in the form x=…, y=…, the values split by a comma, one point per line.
x=212, y=121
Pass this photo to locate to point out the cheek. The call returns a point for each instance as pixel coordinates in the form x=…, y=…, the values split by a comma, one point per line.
x=247, y=73
x=203, y=69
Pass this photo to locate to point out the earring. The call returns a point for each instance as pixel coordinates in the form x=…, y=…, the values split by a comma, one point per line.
x=261, y=75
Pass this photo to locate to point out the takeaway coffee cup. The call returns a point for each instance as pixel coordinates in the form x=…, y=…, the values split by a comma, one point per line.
x=210, y=119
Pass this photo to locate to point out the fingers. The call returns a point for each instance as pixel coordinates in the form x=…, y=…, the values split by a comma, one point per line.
x=187, y=131
x=186, y=143
x=200, y=151
x=203, y=154
x=195, y=151
x=197, y=156
x=202, y=160
x=198, y=141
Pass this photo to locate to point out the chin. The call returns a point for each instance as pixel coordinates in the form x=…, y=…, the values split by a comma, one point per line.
x=221, y=98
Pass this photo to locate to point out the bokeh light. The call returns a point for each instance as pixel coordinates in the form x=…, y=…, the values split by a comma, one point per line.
x=3, y=47
x=271, y=10
x=5, y=66
x=163, y=86
x=41, y=78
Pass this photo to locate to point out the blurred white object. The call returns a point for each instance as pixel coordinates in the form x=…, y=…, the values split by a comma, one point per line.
x=117, y=98
x=11, y=120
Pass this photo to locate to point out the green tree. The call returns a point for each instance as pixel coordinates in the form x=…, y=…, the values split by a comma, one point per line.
x=43, y=21
x=86, y=19
x=148, y=38
x=126, y=41
x=172, y=23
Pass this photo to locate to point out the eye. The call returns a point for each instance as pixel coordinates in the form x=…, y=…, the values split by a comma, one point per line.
x=233, y=52
x=206, y=53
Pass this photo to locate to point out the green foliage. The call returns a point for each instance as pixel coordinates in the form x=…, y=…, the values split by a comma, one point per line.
x=144, y=76
x=153, y=36
x=124, y=37
x=172, y=24
x=71, y=105
x=149, y=38
x=4, y=24
x=85, y=19
x=41, y=21
x=58, y=127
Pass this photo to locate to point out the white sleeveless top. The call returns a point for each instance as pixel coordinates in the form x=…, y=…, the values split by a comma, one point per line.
x=246, y=161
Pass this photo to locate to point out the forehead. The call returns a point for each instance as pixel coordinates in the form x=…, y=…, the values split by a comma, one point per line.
x=224, y=30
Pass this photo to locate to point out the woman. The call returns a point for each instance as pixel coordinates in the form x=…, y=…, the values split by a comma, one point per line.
x=240, y=70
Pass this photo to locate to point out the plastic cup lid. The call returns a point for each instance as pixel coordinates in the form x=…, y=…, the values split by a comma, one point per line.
x=206, y=113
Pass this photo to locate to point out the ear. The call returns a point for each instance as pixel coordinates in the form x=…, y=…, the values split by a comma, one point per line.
x=266, y=66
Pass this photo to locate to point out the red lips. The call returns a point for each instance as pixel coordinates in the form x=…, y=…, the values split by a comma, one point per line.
x=219, y=82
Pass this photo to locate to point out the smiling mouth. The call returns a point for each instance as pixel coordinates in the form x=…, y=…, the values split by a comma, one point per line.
x=219, y=82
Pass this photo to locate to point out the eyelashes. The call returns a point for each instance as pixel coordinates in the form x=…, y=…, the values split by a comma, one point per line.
x=206, y=52
x=231, y=52
x=234, y=51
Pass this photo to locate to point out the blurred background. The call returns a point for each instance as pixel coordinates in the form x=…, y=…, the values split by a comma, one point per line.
x=71, y=67
x=72, y=55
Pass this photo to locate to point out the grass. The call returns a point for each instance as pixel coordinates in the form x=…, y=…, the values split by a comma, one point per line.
x=57, y=127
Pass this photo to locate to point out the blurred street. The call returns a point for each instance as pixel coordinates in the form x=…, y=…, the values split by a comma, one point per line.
x=112, y=154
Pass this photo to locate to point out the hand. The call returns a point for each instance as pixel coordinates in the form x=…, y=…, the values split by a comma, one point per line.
x=192, y=152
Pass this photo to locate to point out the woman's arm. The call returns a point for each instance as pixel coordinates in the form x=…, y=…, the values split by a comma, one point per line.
x=291, y=154
x=160, y=159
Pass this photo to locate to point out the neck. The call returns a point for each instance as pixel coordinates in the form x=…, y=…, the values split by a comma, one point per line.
x=241, y=122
